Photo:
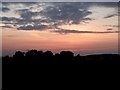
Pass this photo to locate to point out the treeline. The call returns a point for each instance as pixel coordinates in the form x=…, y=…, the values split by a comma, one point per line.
x=37, y=70
x=34, y=56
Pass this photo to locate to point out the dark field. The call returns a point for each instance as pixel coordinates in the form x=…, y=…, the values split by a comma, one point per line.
x=37, y=69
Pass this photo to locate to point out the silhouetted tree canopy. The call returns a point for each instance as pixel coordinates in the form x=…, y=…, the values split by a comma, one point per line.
x=18, y=55
x=44, y=69
x=33, y=56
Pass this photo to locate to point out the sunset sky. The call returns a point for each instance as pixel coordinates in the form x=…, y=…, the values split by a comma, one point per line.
x=84, y=28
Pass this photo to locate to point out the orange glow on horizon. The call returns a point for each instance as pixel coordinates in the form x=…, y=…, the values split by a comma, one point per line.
x=46, y=40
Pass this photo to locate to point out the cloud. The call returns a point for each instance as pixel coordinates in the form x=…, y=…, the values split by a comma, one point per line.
x=58, y=14
x=112, y=15
x=106, y=4
x=66, y=12
x=13, y=20
x=35, y=27
x=53, y=14
x=27, y=14
x=112, y=26
x=109, y=29
x=6, y=26
x=22, y=10
x=16, y=3
x=64, y=31
x=21, y=21
x=9, y=19
x=5, y=9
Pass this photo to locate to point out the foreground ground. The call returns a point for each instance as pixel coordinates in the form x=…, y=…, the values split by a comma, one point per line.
x=37, y=69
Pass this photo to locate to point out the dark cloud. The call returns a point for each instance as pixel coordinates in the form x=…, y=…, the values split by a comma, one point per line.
x=66, y=12
x=109, y=29
x=86, y=5
x=64, y=31
x=112, y=26
x=53, y=15
x=13, y=21
x=16, y=3
x=35, y=27
x=20, y=21
x=26, y=14
x=22, y=10
x=59, y=11
x=9, y=19
x=6, y=26
x=106, y=4
x=112, y=15
x=87, y=19
x=58, y=14
x=5, y=9
x=21, y=24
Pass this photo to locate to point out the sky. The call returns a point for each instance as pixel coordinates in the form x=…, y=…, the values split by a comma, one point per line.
x=60, y=0
x=83, y=28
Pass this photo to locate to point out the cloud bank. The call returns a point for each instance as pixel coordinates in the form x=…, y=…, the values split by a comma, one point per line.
x=51, y=15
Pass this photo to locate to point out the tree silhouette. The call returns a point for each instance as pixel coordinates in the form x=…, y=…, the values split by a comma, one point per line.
x=18, y=55
x=40, y=68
